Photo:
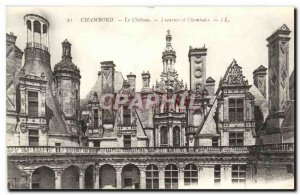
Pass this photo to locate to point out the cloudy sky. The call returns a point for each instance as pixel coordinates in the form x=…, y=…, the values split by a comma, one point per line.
x=137, y=46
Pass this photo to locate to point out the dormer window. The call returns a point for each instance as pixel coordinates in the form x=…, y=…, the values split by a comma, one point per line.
x=96, y=116
x=236, y=110
x=126, y=117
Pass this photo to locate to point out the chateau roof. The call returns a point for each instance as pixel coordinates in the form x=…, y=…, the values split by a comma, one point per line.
x=233, y=77
x=261, y=68
x=66, y=65
x=260, y=101
x=281, y=32
x=210, y=80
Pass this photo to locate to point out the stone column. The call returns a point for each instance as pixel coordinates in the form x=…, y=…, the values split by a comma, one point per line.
x=29, y=177
x=32, y=33
x=171, y=136
x=181, y=176
x=225, y=175
x=207, y=176
x=119, y=177
x=142, y=177
x=199, y=168
x=96, y=184
x=161, y=177
x=58, y=178
x=81, y=179
x=41, y=36
x=48, y=37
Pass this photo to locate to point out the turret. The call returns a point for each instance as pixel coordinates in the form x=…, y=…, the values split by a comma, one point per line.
x=67, y=82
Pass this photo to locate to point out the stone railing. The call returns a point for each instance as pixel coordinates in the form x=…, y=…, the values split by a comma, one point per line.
x=272, y=147
x=19, y=150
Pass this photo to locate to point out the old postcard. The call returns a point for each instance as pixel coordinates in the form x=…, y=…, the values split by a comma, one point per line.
x=134, y=98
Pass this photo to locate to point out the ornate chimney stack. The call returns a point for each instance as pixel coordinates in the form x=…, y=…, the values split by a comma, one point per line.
x=197, y=59
x=278, y=45
x=278, y=73
x=66, y=55
x=146, y=81
x=131, y=80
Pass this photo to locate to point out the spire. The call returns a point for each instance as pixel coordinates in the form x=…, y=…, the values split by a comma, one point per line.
x=66, y=55
x=168, y=41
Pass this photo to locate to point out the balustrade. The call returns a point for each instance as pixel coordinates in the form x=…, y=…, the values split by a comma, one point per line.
x=11, y=150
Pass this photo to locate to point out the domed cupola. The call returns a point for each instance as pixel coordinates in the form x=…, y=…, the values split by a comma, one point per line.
x=66, y=66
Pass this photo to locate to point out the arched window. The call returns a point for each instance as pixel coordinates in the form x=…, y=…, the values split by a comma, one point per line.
x=28, y=24
x=163, y=136
x=37, y=26
x=171, y=177
x=44, y=28
x=43, y=178
x=176, y=136
x=152, y=178
x=70, y=178
x=130, y=177
x=190, y=175
x=37, y=37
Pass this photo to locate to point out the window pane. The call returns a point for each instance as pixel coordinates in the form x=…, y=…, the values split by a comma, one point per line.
x=234, y=181
x=148, y=184
x=232, y=135
x=164, y=136
x=232, y=114
x=187, y=174
x=126, y=117
x=195, y=181
x=231, y=102
x=176, y=136
x=167, y=174
x=33, y=109
x=240, y=142
x=242, y=174
x=186, y=182
x=240, y=135
x=174, y=174
x=240, y=114
x=33, y=132
x=155, y=184
x=148, y=174
x=240, y=103
x=174, y=184
x=33, y=96
x=217, y=180
x=168, y=183
x=235, y=174
x=194, y=174
x=235, y=167
x=33, y=141
x=217, y=174
x=232, y=142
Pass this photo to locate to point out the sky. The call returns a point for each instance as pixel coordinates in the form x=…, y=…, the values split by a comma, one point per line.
x=137, y=46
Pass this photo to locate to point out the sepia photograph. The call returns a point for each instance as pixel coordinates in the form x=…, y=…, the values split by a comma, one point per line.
x=118, y=98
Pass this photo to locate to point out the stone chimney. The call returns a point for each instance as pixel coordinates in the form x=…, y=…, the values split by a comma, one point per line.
x=131, y=80
x=259, y=78
x=146, y=81
x=210, y=86
x=278, y=70
x=11, y=38
x=108, y=76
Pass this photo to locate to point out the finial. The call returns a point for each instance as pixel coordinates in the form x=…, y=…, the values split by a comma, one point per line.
x=168, y=31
